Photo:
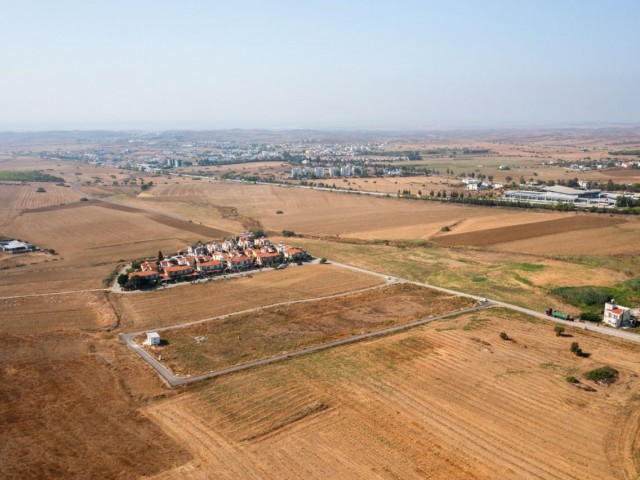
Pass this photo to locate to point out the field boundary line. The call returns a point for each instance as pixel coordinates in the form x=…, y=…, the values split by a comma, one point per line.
x=71, y=292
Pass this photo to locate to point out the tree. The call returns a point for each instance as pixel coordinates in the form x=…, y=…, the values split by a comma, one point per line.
x=258, y=233
x=323, y=260
x=559, y=329
x=160, y=256
x=288, y=233
x=123, y=279
x=504, y=336
x=40, y=190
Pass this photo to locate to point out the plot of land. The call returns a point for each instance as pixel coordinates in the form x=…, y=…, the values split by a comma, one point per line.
x=76, y=311
x=448, y=400
x=254, y=335
x=67, y=410
x=168, y=307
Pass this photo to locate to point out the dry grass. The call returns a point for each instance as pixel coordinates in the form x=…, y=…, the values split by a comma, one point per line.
x=68, y=409
x=169, y=307
x=449, y=400
x=255, y=335
x=75, y=311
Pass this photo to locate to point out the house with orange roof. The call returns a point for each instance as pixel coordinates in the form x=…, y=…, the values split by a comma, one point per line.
x=294, y=254
x=240, y=262
x=616, y=315
x=178, y=270
x=267, y=259
x=212, y=266
x=145, y=274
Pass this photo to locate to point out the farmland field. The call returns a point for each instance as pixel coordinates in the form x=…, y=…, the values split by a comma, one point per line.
x=271, y=331
x=167, y=307
x=447, y=400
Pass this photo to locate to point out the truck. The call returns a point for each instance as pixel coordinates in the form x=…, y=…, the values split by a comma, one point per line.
x=556, y=314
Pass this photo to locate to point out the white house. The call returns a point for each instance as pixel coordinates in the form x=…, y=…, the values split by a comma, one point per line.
x=616, y=315
x=153, y=338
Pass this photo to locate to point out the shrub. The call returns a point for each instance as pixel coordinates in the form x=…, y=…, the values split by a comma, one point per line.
x=258, y=233
x=41, y=190
x=575, y=346
x=288, y=233
x=602, y=374
x=590, y=317
x=559, y=329
x=279, y=212
x=323, y=260
x=583, y=295
x=504, y=336
x=572, y=379
x=445, y=229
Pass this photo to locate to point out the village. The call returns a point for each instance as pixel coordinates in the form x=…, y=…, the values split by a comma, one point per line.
x=243, y=252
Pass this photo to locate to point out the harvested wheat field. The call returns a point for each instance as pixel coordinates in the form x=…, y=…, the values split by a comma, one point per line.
x=321, y=213
x=67, y=411
x=448, y=400
x=167, y=307
x=91, y=239
x=75, y=311
x=250, y=336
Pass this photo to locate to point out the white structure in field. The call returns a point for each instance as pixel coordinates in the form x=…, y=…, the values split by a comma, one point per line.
x=153, y=338
x=616, y=315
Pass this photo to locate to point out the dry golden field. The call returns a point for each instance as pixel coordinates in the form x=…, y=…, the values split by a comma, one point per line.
x=271, y=331
x=43, y=313
x=168, y=307
x=449, y=400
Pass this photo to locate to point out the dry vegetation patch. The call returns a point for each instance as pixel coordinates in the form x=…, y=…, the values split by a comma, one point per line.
x=65, y=415
x=77, y=311
x=245, y=337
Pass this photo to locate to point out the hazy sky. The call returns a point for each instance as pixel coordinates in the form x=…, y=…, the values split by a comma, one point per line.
x=156, y=64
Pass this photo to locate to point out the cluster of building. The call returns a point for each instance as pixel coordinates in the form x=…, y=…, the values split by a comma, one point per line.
x=325, y=172
x=561, y=194
x=481, y=185
x=243, y=252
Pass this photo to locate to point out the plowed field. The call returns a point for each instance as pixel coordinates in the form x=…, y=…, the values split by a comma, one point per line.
x=449, y=400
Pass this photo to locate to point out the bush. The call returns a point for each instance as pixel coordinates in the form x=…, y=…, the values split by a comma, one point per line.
x=279, y=212
x=572, y=379
x=40, y=190
x=602, y=374
x=258, y=233
x=583, y=295
x=590, y=317
x=559, y=329
x=445, y=229
x=323, y=260
x=504, y=336
x=288, y=233
x=575, y=346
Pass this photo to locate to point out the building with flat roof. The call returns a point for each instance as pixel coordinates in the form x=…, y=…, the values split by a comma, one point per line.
x=558, y=194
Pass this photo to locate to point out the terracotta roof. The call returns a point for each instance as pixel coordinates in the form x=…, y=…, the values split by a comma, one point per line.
x=143, y=274
x=177, y=268
x=268, y=255
x=212, y=263
x=239, y=259
x=293, y=250
x=617, y=311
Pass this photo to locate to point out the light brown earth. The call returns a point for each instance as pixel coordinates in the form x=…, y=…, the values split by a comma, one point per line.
x=449, y=400
x=255, y=335
x=167, y=307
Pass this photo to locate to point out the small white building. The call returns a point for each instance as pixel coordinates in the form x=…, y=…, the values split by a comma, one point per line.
x=153, y=338
x=616, y=315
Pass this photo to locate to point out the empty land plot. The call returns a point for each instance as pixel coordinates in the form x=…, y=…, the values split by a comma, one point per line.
x=447, y=400
x=66, y=413
x=172, y=306
x=77, y=311
x=250, y=336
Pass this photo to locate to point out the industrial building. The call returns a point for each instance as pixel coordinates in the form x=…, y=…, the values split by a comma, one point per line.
x=558, y=194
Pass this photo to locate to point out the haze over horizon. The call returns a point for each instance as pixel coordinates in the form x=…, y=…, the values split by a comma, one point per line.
x=362, y=65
